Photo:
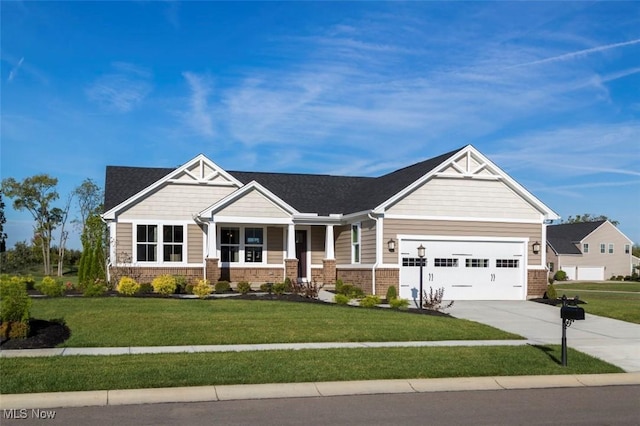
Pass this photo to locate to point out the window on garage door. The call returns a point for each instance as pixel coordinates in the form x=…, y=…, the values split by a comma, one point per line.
x=477, y=263
x=507, y=263
x=445, y=263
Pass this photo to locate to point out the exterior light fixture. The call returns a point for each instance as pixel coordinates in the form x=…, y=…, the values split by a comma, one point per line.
x=391, y=244
x=536, y=247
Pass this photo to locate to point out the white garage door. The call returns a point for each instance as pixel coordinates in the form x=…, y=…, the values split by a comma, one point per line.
x=595, y=273
x=466, y=269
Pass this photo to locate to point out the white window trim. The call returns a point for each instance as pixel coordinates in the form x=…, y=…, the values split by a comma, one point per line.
x=603, y=248
x=358, y=243
x=585, y=248
x=160, y=243
x=610, y=248
x=241, y=248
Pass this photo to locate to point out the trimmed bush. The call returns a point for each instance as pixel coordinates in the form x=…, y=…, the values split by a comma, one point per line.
x=341, y=299
x=188, y=289
x=15, y=303
x=222, y=287
x=560, y=275
x=145, y=288
x=400, y=304
x=338, y=286
x=370, y=301
x=352, y=291
x=164, y=284
x=391, y=293
x=266, y=287
x=551, y=292
x=202, y=289
x=244, y=287
x=128, y=286
x=181, y=283
x=51, y=287
x=280, y=288
x=95, y=289
x=288, y=286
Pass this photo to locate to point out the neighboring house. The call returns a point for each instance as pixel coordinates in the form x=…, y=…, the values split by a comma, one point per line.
x=482, y=231
x=589, y=250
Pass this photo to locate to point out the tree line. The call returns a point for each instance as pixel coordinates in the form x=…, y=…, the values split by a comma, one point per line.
x=38, y=195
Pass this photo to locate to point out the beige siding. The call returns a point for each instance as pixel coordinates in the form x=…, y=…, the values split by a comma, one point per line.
x=253, y=204
x=275, y=248
x=616, y=264
x=342, y=236
x=465, y=198
x=195, y=236
x=395, y=227
x=124, y=242
x=317, y=244
x=176, y=202
x=368, y=242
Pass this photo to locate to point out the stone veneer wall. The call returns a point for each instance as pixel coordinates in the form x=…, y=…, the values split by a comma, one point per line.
x=359, y=277
x=537, y=283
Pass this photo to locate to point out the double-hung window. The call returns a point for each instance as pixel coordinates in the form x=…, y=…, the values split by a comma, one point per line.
x=253, y=243
x=610, y=248
x=602, y=248
x=585, y=248
x=147, y=243
x=172, y=241
x=355, y=243
x=229, y=244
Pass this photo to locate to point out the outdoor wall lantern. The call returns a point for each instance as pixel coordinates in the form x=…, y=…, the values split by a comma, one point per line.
x=536, y=247
x=391, y=244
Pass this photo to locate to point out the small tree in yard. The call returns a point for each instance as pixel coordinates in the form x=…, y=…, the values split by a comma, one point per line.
x=433, y=300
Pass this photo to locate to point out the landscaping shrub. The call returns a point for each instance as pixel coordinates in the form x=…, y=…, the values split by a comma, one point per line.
x=352, y=291
x=341, y=299
x=551, y=292
x=244, y=287
x=266, y=287
x=145, y=288
x=222, y=287
x=164, y=284
x=400, y=304
x=188, y=289
x=560, y=275
x=370, y=301
x=94, y=289
x=202, y=289
x=181, y=283
x=338, y=286
x=280, y=288
x=51, y=287
x=128, y=286
x=391, y=293
x=29, y=281
x=551, y=280
x=288, y=286
x=433, y=299
x=15, y=306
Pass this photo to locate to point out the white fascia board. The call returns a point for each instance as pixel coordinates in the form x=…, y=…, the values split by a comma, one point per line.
x=200, y=158
x=254, y=220
x=357, y=215
x=463, y=219
x=613, y=226
x=229, y=199
x=316, y=220
x=460, y=238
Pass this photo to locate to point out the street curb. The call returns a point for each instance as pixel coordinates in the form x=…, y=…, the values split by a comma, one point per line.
x=309, y=389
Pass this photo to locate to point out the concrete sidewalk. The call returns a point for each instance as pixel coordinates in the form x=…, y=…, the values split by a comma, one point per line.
x=613, y=341
x=299, y=390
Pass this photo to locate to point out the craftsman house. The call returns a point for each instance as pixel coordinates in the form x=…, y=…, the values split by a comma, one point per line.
x=589, y=250
x=483, y=233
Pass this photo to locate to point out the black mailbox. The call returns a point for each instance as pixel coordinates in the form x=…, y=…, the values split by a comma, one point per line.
x=572, y=313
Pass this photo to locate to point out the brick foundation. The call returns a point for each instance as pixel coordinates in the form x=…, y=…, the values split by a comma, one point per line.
x=386, y=278
x=359, y=277
x=146, y=275
x=252, y=275
x=291, y=269
x=328, y=271
x=213, y=270
x=536, y=283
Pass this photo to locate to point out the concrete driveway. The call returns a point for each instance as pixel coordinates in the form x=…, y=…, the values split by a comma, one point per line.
x=616, y=342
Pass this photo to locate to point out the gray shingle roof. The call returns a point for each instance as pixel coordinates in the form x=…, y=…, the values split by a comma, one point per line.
x=307, y=193
x=563, y=238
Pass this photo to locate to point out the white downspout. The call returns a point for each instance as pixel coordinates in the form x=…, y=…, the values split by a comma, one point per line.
x=378, y=253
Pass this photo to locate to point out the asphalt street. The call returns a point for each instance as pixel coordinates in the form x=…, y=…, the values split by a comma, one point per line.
x=607, y=405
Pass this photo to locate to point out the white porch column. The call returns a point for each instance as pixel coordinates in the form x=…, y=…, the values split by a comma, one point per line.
x=212, y=240
x=291, y=241
x=329, y=249
x=113, y=242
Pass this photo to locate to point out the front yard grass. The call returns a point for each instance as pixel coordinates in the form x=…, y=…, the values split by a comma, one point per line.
x=603, y=300
x=78, y=373
x=119, y=321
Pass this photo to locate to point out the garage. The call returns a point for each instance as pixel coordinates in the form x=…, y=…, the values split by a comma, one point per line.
x=467, y=268
x=584, y=273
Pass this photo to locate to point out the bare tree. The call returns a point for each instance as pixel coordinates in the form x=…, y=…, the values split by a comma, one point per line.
x=64, y=234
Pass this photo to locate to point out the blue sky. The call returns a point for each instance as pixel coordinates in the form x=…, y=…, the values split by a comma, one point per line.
x=550, y=91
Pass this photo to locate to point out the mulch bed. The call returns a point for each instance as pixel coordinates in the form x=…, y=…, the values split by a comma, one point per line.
x=42, y=334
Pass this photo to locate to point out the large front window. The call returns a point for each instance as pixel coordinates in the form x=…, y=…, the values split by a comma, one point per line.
x=173, y=238
x=253, y=242
x=147, y=243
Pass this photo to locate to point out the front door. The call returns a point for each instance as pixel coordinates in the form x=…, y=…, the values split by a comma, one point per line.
x=301, y=253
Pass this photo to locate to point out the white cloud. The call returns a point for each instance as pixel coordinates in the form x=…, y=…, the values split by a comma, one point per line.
x=199, y=117
x=122, y=90
x=14, y=70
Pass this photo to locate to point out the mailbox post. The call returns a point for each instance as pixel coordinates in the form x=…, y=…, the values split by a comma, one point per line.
x=568, y=314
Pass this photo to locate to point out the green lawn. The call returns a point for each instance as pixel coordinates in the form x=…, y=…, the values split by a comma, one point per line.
x=603, y=300
x=76, y=373
x=120, y=321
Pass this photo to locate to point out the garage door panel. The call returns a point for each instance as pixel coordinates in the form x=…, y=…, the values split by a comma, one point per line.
x=467, y=270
